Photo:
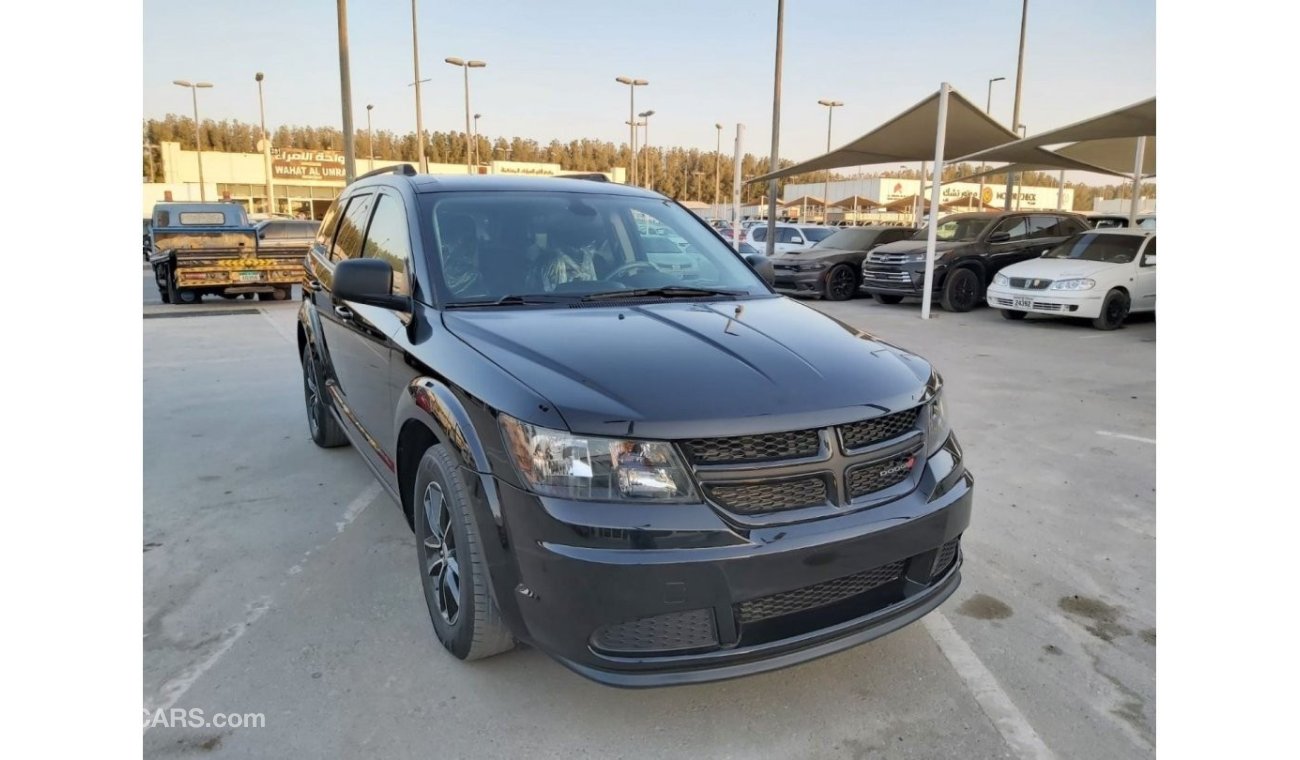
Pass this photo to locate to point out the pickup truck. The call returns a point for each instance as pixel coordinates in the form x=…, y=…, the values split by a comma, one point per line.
x=212, y=248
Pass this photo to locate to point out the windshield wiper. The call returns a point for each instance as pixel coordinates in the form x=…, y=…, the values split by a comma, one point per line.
x=669, y=291
x=514, y=300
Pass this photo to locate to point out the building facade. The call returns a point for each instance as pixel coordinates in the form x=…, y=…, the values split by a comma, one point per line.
x=302, y=183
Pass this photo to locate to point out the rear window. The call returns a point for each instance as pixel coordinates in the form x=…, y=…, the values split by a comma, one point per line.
x=202, y=218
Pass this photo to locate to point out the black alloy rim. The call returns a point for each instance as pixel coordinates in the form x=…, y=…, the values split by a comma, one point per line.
x=842, y=283
x=441, y=566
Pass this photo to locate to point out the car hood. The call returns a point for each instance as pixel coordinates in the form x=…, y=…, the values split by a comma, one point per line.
x=1059, y=269
x=808, y=254
x=918, y=246
x=680, y=370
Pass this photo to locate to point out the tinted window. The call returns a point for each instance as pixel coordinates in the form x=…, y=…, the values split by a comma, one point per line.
x=852, y=240
x=348, y=243
x=1050, y=226
x=759, y=234
x=325, y=234
x=1017, y=227
x=1112, y=249
x=788, y=235
x=817, y=234
x=963, y=229
x=390, y=240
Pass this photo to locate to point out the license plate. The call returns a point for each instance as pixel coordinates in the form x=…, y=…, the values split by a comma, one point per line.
x=1023, y=303
x=250, y=276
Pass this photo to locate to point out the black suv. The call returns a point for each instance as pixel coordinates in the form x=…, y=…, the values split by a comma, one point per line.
x=647, y=465
x=971, y=248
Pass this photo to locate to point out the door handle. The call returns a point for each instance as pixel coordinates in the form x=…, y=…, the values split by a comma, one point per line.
x=343, y=312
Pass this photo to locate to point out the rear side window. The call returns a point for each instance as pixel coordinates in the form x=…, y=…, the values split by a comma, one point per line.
x=758, y=234
x=1016, y=227
x=788, y=235
x=1050, y=226
x=347, y=245
x=389, y=239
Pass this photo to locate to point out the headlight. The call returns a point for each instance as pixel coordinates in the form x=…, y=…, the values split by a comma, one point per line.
x=1001, y=279
x=811, y=266
x=919, y=257
x=937, y=428
x=559, y=463
x=1079, y=284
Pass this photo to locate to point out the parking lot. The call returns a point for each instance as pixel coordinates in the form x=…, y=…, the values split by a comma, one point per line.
x=280, y=579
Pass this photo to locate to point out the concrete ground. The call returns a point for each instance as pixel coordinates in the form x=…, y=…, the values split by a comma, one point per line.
x=280, y=580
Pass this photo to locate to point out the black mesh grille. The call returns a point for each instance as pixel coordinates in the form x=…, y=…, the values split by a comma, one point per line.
x=753, y=448
x=858, y=434
x=944, y=560
x=820, y=595
x=1025, y=283
x=880, y=475
x=757, y=498
x=674, y=631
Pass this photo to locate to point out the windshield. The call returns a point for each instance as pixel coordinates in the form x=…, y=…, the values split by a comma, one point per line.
x=817, y=234
x=962, y=230
x=556, y=246
x=849, y=239
x=1112, y=249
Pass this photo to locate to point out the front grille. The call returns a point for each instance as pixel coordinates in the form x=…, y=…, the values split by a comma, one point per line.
x=1047, y=306
x=880, y=475
x=1003, y=301
x=943, y=561
x=888, y=258
x=901, y=277
x=753, y=448
x=1026, y=283
x=758, y=498
x=855, y=435
x=819, y=595
x=674, y=631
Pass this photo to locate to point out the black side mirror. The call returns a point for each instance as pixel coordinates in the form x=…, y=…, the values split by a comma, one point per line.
x=999, y=237
x=370, y=282
x=763, y=266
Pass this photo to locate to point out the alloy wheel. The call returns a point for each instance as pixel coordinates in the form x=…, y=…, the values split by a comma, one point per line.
x=441, y=565
x=312, y=392
x=843, y=283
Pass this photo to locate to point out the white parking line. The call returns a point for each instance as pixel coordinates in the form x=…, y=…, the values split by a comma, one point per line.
x=358, y=504
x=1126, y=436
x=289, y=336
x=1001, y=711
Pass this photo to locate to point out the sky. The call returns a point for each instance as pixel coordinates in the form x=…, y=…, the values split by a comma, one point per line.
x=551, y=64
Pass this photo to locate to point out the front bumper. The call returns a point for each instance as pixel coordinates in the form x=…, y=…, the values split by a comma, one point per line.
x=799, y=283
x=636, y=607
x=1085, y=303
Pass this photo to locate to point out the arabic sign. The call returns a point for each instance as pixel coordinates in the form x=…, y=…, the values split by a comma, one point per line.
x=307, y=164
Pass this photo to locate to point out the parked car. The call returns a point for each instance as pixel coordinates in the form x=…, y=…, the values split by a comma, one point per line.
x=970, y=249
x=200, y=249
x=832, y=268
x=1102, y=275
x=1103, y=221
x=148, y=238
x=790, y=237
x=655, y=477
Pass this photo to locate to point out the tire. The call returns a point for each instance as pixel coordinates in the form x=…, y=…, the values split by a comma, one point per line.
x=188, y=297
x=465, y=618
x=841, y=283
x=886, y=298
x=962, y=291
x=1014, y=315
x=1114, y=310
x=325, y=430
x=282, y=294
x=173, y=295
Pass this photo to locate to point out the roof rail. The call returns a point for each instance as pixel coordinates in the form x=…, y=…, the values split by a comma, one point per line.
x=406, y=170
x=592, y=177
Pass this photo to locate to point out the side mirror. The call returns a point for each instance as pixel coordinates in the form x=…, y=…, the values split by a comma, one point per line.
x=370, y=282
x=796, y=240
x=1149, y=260
x=763, y=266
x=999, y=237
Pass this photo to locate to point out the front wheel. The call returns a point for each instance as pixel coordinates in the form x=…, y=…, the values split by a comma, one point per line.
x=961, y=291
x=1114, y=310
x=453, y=570
x=841, y=283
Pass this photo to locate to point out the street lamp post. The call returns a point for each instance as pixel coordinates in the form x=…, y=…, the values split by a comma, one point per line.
x=988, y=111
x=266, y=146
x=717, y=171
x=831, y=105
x=632, y=84
x=645, y=115
x=370, y=135
x=198, y=135
x=478, y=158
x=419, y=112
x=775, y=161
x=466, y=66
x=1020, y=75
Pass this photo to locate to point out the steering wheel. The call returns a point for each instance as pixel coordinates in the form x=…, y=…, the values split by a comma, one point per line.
x=630, y=267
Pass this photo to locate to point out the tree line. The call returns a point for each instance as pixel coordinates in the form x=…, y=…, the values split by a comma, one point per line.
x=683, y=173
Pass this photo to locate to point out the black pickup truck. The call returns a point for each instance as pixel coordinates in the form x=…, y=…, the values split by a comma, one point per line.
x=212, y=249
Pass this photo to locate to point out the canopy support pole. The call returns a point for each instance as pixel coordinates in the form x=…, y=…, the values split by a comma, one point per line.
x=1137, y=181
x=735, y=190
x=1060, y=192
x=941, y=132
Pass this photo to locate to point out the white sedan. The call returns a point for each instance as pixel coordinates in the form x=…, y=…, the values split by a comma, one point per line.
x=1102, y=275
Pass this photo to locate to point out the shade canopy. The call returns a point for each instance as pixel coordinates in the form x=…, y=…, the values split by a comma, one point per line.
x=810, y=200
x=1137, y=120
x=908, y=204
x=910, y=137
x=861, y=202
